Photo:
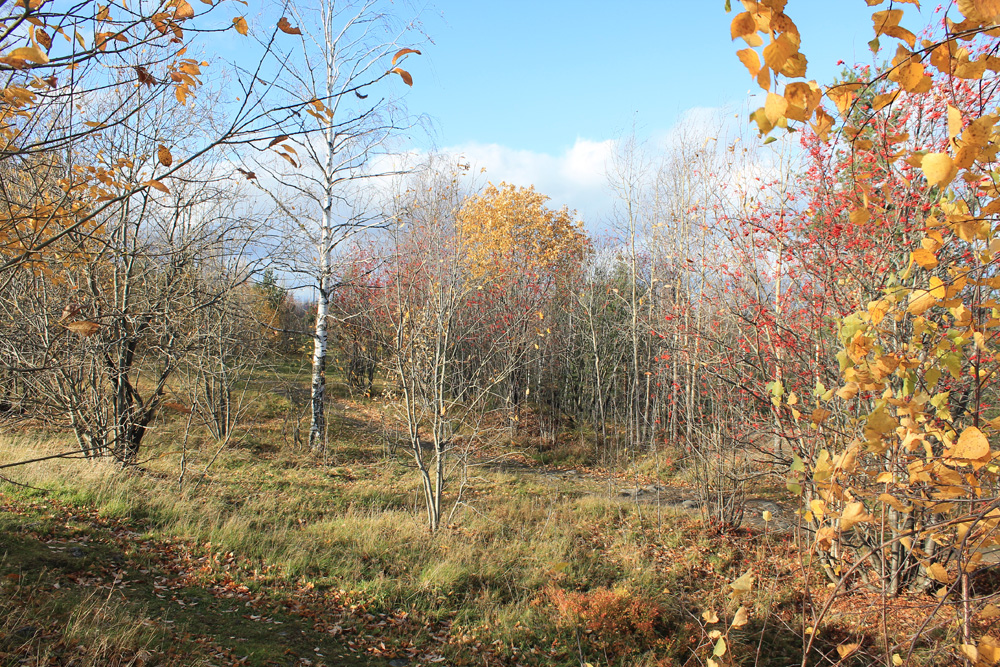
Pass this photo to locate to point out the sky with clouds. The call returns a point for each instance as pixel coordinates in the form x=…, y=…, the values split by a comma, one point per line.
x=539, y=92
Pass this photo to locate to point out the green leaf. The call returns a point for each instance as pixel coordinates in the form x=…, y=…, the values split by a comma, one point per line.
x=770, y=140
x=729, y=6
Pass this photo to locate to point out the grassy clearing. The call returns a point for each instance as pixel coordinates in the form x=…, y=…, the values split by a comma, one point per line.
x=269, y=556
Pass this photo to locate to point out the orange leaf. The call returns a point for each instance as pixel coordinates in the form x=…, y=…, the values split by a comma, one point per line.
x=407, y=79
x=287, y=28
x=743, y=24
x=183, y=11
x=403, y=52
x=164, y=156
x=156, y=185
x=277, y=140
x=241, y=25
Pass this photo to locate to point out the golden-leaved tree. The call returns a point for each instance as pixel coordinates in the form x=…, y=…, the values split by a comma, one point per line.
x=905, y=494
x=521, y=255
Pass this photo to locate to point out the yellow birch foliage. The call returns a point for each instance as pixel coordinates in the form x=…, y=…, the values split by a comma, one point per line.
x=910, y=498
x=510, y=230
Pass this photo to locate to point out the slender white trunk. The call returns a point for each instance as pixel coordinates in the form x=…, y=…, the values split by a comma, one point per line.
x=317, y=425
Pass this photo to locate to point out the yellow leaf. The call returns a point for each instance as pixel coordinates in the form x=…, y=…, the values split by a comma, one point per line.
x=407, y=79
x=925, y=258
x=848, y=391
x=156, y=185
x=795, y=66
x=954, y=121
x=860, y=216
x=749, y=58
x=979, y=10
x=825, y=537
x=710, y=616
x=31, y=53
x=164, y=156
x=938, y=571
x=910, y=76
x=766, y=516
x=899, y=32
x=764, y=78
x=720, y=647
x=778, y=51
x=970, y=652
x=741, y=618
x=822, y=124
x=775, y=107
x=880, y=102
x=894, y=502
x=241, y=25
x=742, y=585
x=853, y=514
x=972, y=445
x=939, y=169
x=845, y=650
x=886, y=19
x=989, y=650
x=818, y=507
x=287, y=28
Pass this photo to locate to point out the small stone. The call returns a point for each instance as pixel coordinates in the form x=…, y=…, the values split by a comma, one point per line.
x=77, y=552
x=690, y=504
x=398, y=662
x=26, y=631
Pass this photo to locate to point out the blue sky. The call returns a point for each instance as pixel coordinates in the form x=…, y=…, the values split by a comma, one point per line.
x=537, y=92
x=537, y=75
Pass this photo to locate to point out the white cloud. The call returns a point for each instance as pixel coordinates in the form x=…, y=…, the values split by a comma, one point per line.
x=575, y=178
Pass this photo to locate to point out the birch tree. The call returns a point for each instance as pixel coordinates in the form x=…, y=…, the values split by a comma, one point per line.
x=346, y=70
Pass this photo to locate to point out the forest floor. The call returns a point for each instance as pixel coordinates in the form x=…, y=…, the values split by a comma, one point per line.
x=265, y=554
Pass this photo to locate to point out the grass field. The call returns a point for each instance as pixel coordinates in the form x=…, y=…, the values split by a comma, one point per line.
x=265, y=554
